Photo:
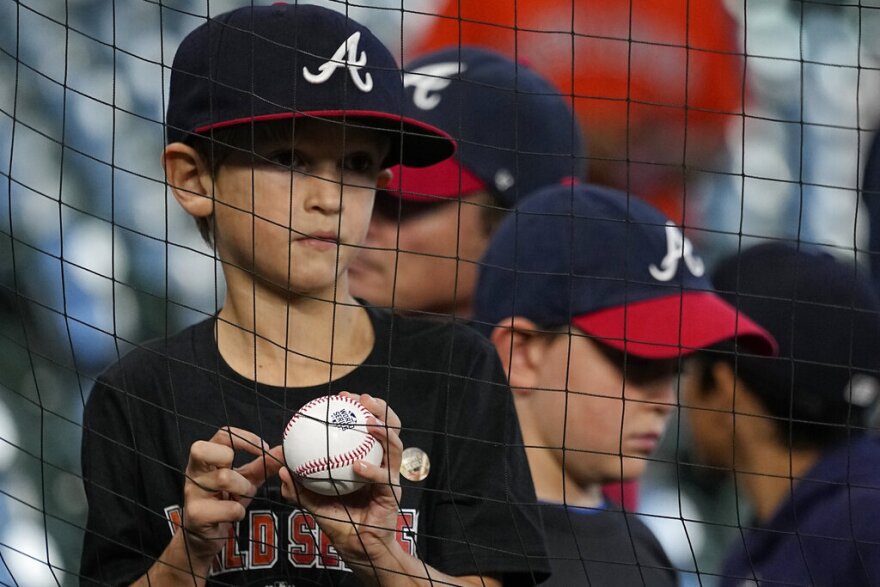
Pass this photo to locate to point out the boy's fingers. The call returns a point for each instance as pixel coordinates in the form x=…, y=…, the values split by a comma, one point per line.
x=385, y=434
x=205, y=456
x=210, y=512
x=385, y=426
x=379, y=408
x=377, y=475
x=268, y=464
x=219, y=450
x=210, y=463
x=390, y=442
x=289, y=490
x=226, y=481
x=239, y=439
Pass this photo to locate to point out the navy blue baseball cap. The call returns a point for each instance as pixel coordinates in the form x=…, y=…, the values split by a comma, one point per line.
x=262, y=63
x=612, y=266
x=825, y=316
x=516, y=132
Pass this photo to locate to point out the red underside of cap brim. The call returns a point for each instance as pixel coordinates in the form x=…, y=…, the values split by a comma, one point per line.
x=443, y=181
x=673, y=326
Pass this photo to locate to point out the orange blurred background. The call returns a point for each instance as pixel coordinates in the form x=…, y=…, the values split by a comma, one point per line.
x=654, y=82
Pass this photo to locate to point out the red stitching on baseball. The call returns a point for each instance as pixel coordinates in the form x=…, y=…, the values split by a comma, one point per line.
x=336, y=461
x=356, y=404
x=322, y=464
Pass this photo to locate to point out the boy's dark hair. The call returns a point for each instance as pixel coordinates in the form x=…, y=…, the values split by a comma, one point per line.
x=216, y=147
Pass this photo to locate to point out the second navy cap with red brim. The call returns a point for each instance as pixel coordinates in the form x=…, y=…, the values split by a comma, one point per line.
x=612, y=266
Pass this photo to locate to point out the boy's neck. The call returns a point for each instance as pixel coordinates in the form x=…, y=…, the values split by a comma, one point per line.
x=769, y=477
x=552, y=484
x=293, y=341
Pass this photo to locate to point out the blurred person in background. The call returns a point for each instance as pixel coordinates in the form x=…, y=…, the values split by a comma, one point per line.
x=692, y=105
x=591, y=298
x=655, y=83
x=655, y=86
x=791, y=427
x=516, y=132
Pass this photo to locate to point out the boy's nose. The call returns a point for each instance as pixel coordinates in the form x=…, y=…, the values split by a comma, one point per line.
x=666, y=395
x=323, y=191
x=659, y=395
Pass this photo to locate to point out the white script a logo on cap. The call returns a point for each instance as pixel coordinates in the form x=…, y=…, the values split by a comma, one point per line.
x=678, y=248
x=435, y=77
x=346, y=56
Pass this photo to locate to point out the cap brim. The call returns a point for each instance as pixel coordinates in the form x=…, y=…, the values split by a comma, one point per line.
x=443, y=181
x=673, y=326
x=419, y=144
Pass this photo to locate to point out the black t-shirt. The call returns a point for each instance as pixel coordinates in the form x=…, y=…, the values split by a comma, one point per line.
x=603, y=547
x=471, y=514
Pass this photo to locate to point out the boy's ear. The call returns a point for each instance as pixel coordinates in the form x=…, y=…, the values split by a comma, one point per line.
x=189, y=179
x=521, y=346
x=385, y=177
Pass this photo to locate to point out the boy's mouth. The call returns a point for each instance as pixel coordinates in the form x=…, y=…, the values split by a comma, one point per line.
x=644, y=443
x=318, y=240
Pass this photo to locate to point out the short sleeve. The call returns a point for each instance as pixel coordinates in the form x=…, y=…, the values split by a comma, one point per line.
x=116, y=549
x=486, y=512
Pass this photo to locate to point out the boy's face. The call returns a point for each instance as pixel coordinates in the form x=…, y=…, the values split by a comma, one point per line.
x=609, y=424
x=293, y=213
x=709, y=418
x=422, y=256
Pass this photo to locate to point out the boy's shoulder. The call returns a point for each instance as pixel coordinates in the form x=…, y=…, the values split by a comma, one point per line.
x=431, y=339
x=434, y=330
x=189, y=346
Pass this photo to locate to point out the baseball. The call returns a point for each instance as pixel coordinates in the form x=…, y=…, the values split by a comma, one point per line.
x=324, y=438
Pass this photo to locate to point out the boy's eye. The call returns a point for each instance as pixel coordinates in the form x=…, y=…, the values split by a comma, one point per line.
x=285, y=158
x=358, y=162
x=639, y=370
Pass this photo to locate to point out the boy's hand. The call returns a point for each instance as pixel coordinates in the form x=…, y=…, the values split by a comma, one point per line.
x=361, y=525
x=215, y=495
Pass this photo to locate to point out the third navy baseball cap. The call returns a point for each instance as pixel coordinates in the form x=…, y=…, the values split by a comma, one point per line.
x=826, y=317
x=263, y=63
x=516, y=132
x=614, y=267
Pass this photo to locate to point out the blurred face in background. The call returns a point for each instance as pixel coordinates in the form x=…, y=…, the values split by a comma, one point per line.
x=607, y=409
x=709, y=413
x=422, y=256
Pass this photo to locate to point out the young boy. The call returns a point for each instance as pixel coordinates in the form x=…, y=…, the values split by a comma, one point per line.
x=282, y=122
x=792, y=428
x=516, y=133
x=591, y=298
